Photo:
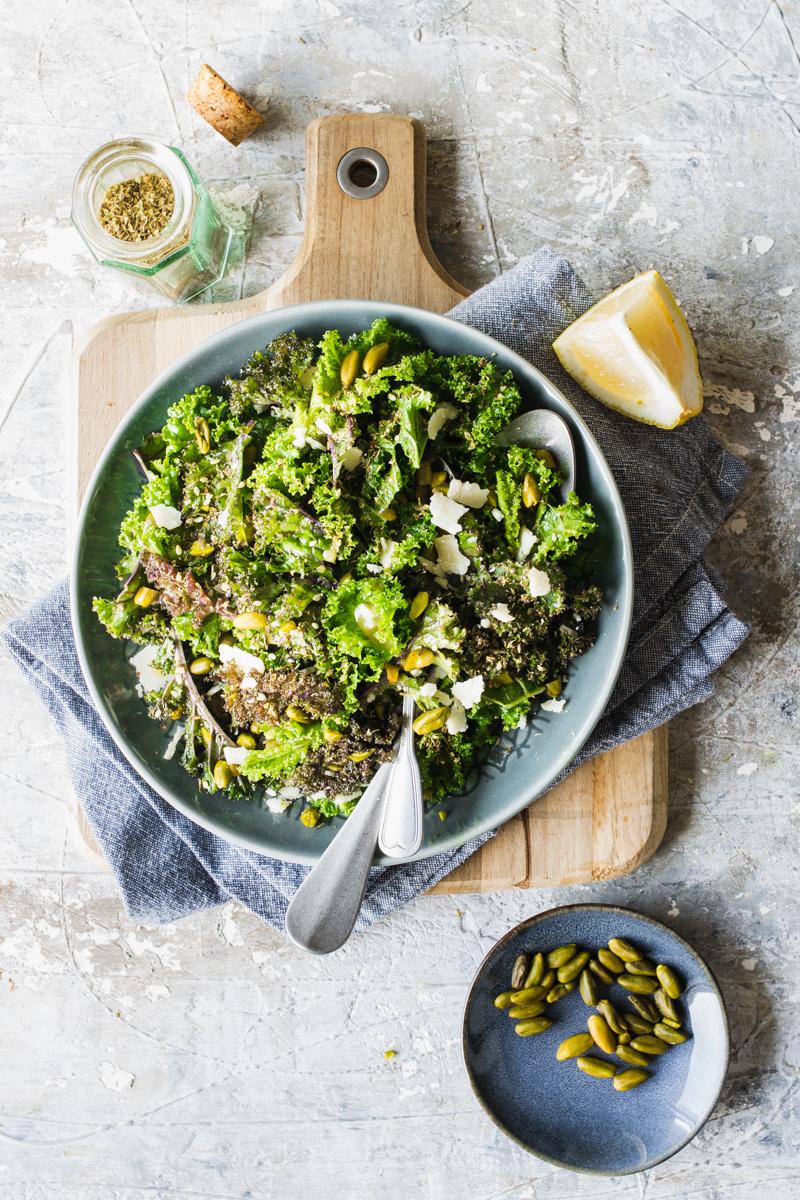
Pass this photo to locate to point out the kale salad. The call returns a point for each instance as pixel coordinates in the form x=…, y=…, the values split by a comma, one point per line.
x=332, y=531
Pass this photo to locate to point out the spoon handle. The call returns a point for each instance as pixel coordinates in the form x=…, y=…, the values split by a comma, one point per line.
x=401, y=828
x=324, y=908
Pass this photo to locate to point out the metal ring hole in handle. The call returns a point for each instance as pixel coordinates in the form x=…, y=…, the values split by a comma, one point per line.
x=362, y=173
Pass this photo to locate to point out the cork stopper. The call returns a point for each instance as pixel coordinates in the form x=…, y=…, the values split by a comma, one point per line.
x=222, y=106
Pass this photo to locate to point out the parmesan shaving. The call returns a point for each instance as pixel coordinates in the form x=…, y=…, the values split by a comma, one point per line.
x=446, y=514
x=246, y=662
x=165, y=516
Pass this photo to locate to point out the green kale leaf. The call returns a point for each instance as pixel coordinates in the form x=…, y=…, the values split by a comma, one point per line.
x=439, y=628
x=359, y=618
x=490, y=397
x=513, y=701
x=420, y=533
x=509, y=501
x=203, y=641
x=413, y=405
x=137, y=532
x=337, y=518
x=285, y=465
x=520, y=461
x=384, y=476
x=287, y=746
x=231, y=519
x=116, y=615
x=563, y=527
x=523, y=461
x=291, y=537
x=276, y=377
x=179, y=429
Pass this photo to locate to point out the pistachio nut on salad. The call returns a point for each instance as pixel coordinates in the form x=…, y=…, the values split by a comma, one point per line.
x=333, y=530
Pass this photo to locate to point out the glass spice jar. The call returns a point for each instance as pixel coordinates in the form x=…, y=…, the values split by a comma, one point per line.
x=188, y=254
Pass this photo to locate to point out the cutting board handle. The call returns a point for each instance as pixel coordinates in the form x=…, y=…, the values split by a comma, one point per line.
x=372, y=243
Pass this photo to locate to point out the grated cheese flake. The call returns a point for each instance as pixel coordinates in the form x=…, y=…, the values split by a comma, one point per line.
x=165, y=516
x=456, y=718
x=527, y=540
x=469, y=691
x=538, y=582
x=446, y=514
x=449, y=557
x=439, y=417
x=246, y=662
x=149, y=676
x=464, y=492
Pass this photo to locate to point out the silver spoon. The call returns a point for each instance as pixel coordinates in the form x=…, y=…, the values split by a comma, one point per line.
x=400, y=833
x=542, y=429
x=323, y=910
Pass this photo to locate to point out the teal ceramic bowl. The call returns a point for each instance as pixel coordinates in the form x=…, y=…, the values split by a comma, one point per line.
x=551, y=1108
x=510, y=780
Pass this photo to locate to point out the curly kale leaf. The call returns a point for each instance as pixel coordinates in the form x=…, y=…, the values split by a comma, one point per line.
x=203, y=641
x=439, y=629
x=231, y=519
x=513, y=700
x=490, y=398
x=382, y=330
x=137, y=532
x=413, y=405
x=332, y=351
x=562, y=528
x=337, y=518
x=116, y=615
x=383, y=474
x=422, y=367
x=179, y=429
x=520, y=461
x=277, y=377
x=587, y=602
x=327, y=377
x=124, y=619
x=523, y=461
x=332, y=808
x=245, y=579
x=292, y=538
x=359, y=619
x=447, y=763
x=287, y=746
x=407, y=427
x=420, y=534
x=285, y=465
x=509, y=501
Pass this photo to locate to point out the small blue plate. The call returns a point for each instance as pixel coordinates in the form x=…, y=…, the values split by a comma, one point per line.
x=551, y=1108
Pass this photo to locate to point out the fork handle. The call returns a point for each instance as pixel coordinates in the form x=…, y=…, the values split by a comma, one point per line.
x=400, y=833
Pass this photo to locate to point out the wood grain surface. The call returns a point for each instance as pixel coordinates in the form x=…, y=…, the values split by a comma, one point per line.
x=609, y=816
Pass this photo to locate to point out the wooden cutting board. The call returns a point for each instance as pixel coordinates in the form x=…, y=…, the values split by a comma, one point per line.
x=609, y=816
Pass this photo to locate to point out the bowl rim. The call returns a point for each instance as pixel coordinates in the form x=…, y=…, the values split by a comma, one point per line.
x=648, y=920
x=344, y=310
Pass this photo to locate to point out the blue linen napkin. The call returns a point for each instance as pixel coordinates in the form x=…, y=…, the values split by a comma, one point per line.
x=676, y=486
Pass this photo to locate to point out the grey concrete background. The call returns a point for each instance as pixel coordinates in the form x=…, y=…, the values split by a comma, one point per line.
x=210, y=1059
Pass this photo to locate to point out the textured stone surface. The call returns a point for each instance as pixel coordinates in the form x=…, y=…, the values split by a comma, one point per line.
x=210, y=1059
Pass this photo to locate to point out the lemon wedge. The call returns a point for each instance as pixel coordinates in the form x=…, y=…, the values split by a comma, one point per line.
x=634, y=352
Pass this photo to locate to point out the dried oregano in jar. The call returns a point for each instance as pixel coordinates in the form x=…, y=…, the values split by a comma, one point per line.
x=137, y=209
x=141, y=208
